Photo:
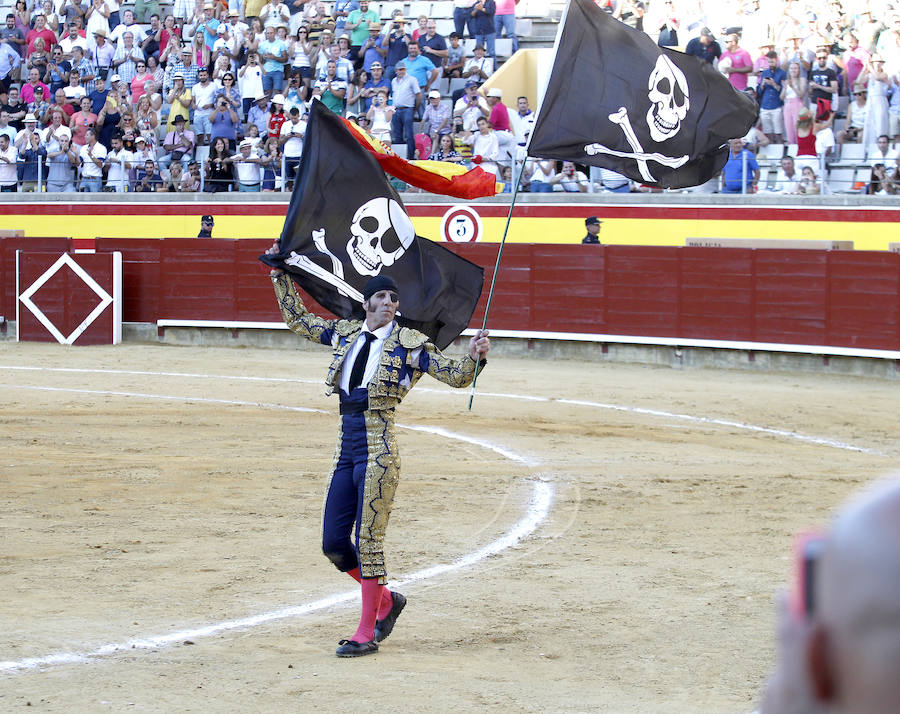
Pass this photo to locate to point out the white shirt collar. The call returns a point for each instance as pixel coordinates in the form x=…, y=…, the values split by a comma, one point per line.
x=381, y=333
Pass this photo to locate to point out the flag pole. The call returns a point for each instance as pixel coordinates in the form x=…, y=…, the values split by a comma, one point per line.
x=487, y=307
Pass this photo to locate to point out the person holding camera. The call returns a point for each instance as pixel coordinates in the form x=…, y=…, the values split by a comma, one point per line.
x=293, y=132
x=397, y=46
x=376, y=81
x=224, y=122
x=380, y=115
x=469, y=107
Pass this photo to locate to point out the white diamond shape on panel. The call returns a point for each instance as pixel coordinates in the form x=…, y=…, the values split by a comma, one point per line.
x=105, y=299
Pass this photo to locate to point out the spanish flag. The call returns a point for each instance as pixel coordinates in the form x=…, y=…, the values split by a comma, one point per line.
x=442, y=177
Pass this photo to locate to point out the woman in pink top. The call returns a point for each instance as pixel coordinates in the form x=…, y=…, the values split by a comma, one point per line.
x=81, y=122
x=795, y=94
x=140, y=79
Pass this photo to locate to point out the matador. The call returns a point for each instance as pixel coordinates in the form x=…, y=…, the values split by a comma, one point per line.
x=375, y=363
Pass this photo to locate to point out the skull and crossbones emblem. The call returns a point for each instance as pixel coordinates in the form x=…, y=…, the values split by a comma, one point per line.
x=380, y=234
x=668, y=92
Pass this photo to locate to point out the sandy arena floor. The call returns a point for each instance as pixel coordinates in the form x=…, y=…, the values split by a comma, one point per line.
x=612, y=535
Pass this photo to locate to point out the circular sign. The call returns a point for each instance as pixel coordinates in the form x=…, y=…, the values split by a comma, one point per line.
x=461, y=224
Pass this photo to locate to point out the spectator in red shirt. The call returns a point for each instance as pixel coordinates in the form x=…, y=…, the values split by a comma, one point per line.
x=40, y=30
x=499, y=116
x=277, y=116
x=34, y=81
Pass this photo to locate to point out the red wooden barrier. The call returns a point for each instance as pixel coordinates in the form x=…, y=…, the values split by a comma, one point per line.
x=800, y=297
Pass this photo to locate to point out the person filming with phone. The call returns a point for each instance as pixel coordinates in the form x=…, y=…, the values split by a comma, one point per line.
x=840, y=651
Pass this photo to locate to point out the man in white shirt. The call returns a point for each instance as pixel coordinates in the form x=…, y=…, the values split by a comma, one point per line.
x=470, y=106
x=523, y=120
x=92, y=156
x=204, y=100
x=128, y=25
x=293, y=132
x=8, y=170
x=479, y=67
x=71, y=40
x=788, y=178
x=55, y=131
x=570, y=180
x=247, y=165
x=119, y=162
x=881, y=153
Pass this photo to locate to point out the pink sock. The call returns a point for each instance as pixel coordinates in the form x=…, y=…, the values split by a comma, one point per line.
x=371, y=598
x=387, y=602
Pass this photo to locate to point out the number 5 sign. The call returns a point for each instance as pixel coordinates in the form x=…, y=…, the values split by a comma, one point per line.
x=461, y=224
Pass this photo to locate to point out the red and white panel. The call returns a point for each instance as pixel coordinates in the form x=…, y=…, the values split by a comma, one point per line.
x=70, y=298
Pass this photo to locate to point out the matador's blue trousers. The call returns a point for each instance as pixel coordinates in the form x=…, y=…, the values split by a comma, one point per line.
x=364, y=477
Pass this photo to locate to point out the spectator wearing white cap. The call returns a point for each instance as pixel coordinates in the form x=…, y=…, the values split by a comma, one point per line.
x=499, y=118
x=435, y=119
x=23, y=137
x=142, y=151
x=247, y=164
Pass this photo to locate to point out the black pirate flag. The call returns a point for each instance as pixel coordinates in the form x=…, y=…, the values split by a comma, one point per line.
x=617, y=100
x=346, y=224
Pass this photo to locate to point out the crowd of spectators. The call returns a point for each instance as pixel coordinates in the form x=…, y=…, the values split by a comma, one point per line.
x=97, y=96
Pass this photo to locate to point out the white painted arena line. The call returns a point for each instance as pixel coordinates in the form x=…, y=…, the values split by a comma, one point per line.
x=537, y=511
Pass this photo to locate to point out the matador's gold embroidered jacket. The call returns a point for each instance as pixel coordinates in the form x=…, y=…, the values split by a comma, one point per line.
x=406, y=356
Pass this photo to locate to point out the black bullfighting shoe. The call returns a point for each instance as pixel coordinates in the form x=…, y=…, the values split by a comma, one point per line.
x=384, y=627
x=352, y=648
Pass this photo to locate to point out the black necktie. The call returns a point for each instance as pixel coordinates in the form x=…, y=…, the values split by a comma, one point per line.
x=359, y=364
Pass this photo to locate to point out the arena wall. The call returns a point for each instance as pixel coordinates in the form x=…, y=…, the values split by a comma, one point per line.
x=804, y=301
